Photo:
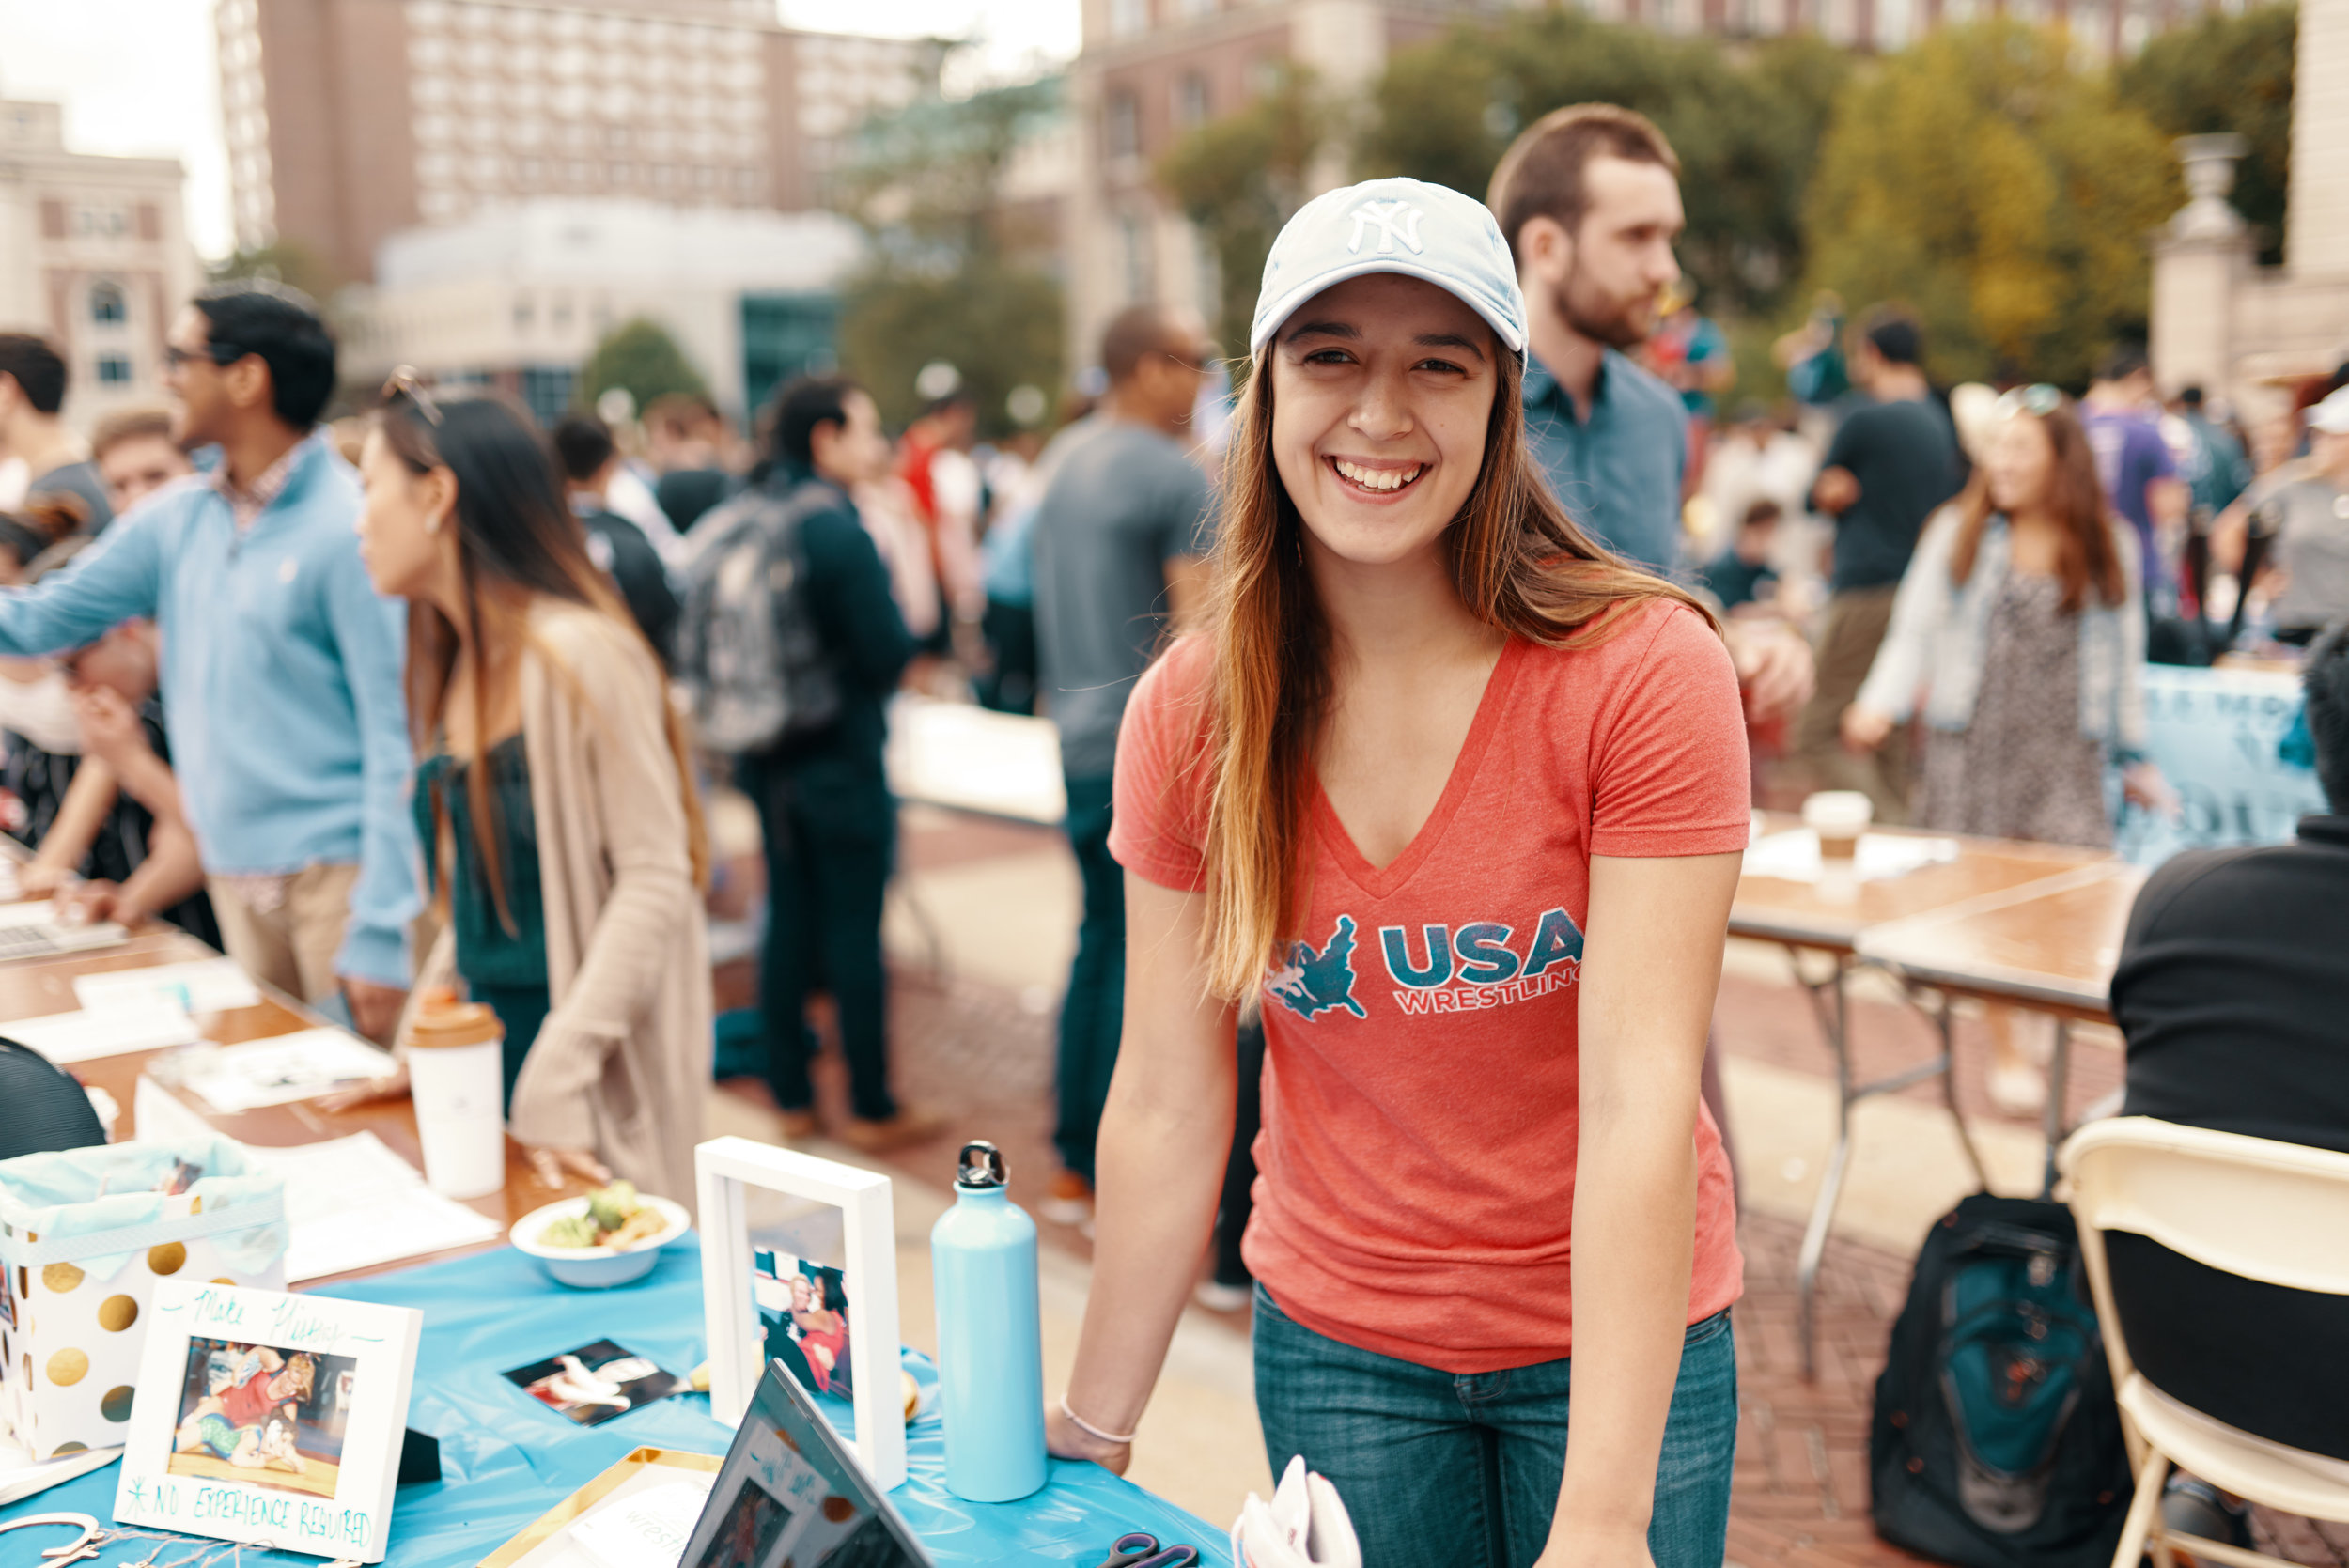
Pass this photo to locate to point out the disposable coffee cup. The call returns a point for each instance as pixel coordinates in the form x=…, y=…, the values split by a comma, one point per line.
x=456, y=1074
x=1839, y=816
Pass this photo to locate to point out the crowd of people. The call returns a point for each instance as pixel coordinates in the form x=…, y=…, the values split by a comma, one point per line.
x=1410, y=699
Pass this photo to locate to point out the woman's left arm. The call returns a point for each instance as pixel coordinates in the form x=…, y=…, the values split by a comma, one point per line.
x=1652, y=961
x=639, y=804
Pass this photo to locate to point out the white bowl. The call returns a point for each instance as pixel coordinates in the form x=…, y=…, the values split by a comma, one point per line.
x=596, y=1268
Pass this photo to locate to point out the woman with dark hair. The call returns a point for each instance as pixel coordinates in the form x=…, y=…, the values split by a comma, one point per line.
x=2017, y=631
x=1454, y=800
x=555, y=796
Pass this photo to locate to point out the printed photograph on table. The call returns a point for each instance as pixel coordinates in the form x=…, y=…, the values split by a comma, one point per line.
x=269, y=1418
x=803, y=1319
x=263, y=1414
x=594, y=1383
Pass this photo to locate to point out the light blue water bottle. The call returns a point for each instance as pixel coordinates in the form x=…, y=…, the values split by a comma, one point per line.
x=990, y=1337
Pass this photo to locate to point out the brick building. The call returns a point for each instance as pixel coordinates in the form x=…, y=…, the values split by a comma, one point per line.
x=93, y=254
x=349, y=121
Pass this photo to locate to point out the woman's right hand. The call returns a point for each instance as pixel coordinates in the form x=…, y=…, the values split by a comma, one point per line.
x=1864, y=728
x=1065, y=1439
x=393, y=1086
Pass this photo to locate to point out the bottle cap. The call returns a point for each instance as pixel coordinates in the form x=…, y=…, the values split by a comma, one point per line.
x=440, y=1019
x=981, y=1166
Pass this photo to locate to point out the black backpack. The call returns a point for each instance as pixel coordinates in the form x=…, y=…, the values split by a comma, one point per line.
x=748, y=649
x=1996, y=1442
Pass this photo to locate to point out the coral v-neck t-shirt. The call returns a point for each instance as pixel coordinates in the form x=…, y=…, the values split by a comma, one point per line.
x=1416, y=1170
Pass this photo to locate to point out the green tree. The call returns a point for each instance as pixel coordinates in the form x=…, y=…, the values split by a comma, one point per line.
x=954, y=273
x=2004, y=196
x=1000, y=324
x=1239, y=177
x=2229, y=74
x=287, y=261
x=1745, y=123
x=638, y=354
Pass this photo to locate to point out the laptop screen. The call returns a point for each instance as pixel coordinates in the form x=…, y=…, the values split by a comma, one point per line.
x=791, y=1491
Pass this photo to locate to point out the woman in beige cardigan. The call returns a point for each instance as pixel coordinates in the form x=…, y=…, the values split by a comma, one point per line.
x=554, y=792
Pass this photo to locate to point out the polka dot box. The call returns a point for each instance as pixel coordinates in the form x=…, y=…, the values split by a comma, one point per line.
x=84, y=1235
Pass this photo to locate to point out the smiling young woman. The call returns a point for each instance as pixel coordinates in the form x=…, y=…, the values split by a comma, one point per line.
x=1455, y=799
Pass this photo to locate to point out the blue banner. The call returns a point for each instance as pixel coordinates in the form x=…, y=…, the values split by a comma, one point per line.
x=2217, y=735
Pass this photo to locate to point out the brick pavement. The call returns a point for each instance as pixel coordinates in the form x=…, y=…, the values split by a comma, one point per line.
x=1800, y=1488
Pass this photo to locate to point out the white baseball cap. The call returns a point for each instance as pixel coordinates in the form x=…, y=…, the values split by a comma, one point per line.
x=2331, y=415
x=1392, y=225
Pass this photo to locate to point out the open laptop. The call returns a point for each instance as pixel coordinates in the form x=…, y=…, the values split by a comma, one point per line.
x=792, y=1491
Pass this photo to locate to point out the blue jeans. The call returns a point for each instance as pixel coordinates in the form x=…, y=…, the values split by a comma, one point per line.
x=1445, y=1470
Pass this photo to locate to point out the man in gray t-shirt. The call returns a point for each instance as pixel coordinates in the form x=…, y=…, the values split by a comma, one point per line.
x=1119, y=540
x=2303, y=522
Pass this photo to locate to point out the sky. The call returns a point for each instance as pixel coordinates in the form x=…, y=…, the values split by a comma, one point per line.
x=137, y=77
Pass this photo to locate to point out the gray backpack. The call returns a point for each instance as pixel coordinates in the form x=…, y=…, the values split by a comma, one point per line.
x=748, y=649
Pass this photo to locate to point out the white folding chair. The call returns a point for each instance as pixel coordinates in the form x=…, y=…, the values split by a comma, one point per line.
x=2247, y=1206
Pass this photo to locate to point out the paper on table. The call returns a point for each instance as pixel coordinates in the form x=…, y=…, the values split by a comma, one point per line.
x=646, y=1529
x=205, y=985
x=144, y=1023
x=21, y=1475
x=285, y=1067
x=1793, y=856
x=353, y=1203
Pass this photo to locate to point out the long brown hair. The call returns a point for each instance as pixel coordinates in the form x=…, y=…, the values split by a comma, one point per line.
x=515, y=540
x=1520, y=564
x=2086, y=557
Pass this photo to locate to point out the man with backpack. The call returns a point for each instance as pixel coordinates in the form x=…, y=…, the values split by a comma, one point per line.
x=790, y=645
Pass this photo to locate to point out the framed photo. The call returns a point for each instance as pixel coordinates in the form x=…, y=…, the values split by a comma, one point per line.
x=770, y=1292
x=269, y=1418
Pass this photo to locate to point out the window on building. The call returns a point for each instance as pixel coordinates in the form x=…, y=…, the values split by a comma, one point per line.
x=620, y=173
x=1129, y=17
x=546, y=391
x=525, y=314
x=1192, y=105
x=1133, y=233
x=114, y=370
x=1122, y=126
x=107, y=307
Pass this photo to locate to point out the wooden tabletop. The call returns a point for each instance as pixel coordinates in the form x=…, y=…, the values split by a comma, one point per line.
x=1809, y=915
x=2051, y=946
x=31, y=987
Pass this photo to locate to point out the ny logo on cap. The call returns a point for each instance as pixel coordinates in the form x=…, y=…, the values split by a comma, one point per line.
x=1396, y=220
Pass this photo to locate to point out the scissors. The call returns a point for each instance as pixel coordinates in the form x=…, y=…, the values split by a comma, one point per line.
x=1141, y=1550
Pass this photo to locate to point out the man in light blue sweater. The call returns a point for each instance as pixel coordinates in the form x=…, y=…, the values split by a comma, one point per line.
x=281, y=665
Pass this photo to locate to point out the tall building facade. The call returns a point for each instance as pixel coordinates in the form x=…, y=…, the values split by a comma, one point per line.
x=93, y=254
x=350, y=120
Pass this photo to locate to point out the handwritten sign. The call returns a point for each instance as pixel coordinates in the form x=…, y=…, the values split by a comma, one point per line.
x=314, y=1473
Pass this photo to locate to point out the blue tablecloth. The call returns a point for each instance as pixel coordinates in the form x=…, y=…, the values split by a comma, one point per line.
x=506, y=1459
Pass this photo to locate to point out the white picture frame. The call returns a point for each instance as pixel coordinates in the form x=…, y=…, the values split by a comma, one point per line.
x=205, y=1340
x=723, y=1167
